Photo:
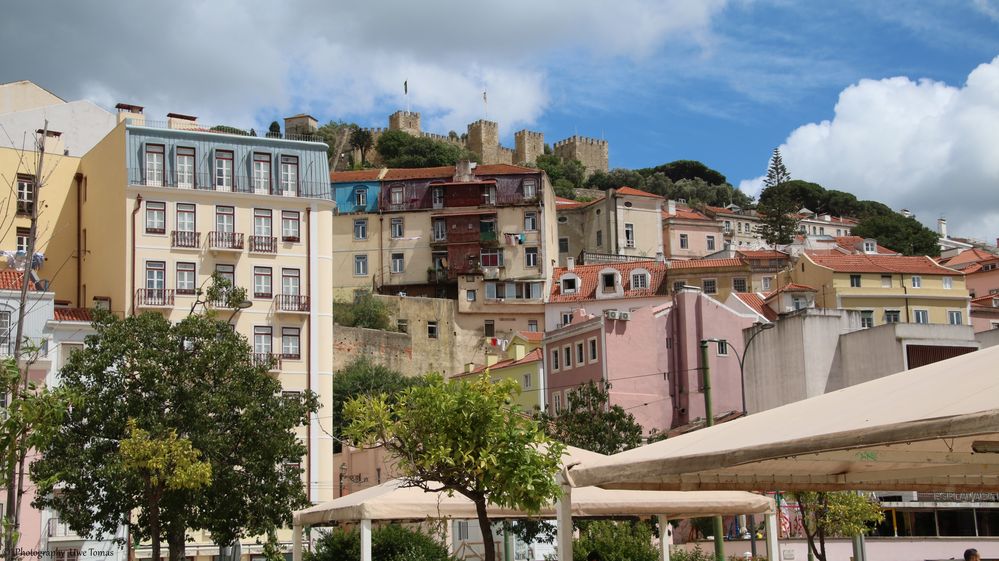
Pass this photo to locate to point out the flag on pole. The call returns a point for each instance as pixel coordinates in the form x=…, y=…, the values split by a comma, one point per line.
x=405, y=87
x=484, y=97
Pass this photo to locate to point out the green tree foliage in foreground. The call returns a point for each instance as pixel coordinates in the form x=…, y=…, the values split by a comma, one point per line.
x=615, y=541
x=903, y=234
x=591, y=423
x=463, y=436
x=362, y=377
x=402, y=150
x=388, y=543
x=835, y=514
x=144, y=380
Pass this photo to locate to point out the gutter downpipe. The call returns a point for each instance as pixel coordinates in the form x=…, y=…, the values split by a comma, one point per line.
x=308, y=357
x=135, y=211
x=79, y=232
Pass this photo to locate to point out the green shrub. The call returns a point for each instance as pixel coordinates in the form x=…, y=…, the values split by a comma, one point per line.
x=365, y=311
x=696, y=554
x=388, y=543
x=615, y=541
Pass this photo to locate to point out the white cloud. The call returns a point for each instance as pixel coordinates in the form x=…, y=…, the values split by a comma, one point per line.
x=922, y=145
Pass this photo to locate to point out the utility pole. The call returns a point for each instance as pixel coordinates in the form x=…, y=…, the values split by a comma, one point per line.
x=15, y=456
x=709, y=417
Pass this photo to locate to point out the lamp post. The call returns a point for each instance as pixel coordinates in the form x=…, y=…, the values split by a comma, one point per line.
x=709, y=420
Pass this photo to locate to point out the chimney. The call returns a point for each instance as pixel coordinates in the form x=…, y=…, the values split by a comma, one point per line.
x=469, y=366
x=671, y=207
x=463, y=171
x=942, y=227
x=179, y=121
x=491, y=359
x=53, y=142
x=131, y=113
x=570, y=263
x=827, y=217
x=519, y=351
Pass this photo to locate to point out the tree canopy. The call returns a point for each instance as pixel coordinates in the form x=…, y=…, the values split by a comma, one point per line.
x=814, y=197
x=686, y=169
x=173, y=389
x=591, y=423
x=778, y=205
x=390, y=542
x=900, y=233
x=835, y=514
x=615, y=541
x=565, y=175
x=463, y=436
x=399, y=149
x=684, y=179
x=359, y=378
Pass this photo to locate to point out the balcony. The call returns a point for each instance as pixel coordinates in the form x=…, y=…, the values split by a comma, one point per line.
x=263, y=244
x=437, y=275
x=292, y=303
x=59, y=529
x=154, y=298
x=185, y=240
x=270, y=360
x=225, y=241
x=233, y=183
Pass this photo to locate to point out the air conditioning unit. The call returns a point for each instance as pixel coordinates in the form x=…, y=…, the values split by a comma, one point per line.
x=611, y=314
x=624, y=316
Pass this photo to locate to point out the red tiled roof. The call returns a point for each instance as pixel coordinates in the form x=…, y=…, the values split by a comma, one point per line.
x=632, y=192
x=502, y=169
x=589, y=277
x=850, y=243
x=723, y=210
x=685, y=213
x=73, y=314
x=562, y=202
x=440, y=172
x=533, y=356
x=532, y=336
x=359, y=175
x=984, y=301
x=11, y=280
x=757, y=303
x=973, y=255
x=861, y=263
x=762, y=254
x=705, y=263
x=793, y=287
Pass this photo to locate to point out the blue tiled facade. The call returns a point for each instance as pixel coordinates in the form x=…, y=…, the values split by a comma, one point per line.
x=357, y=196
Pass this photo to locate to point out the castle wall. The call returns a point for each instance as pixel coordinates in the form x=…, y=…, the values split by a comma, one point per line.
x=483, y=139
x=592, y=152
x=528, y=145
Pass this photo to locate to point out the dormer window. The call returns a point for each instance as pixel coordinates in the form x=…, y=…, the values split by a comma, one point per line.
x=639, y=280
x=361, y=197
x=530, y=189
x=870, y=246
x=396, y=195
x=569, y=285
x=608, y=281
x=995, y=302
x=489, y=195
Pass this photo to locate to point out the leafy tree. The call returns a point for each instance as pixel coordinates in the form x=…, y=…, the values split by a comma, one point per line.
x=906, y=235
x=388, y=543
x=466, y=437
x=615, y=178
x=835, y=514
x=230, y=130
x=196, y=379
x=591, y=423
x=362, y=377
x=564, y=188
x=337, y=135
x=274, y=131
x=365, y=311
x=778, y=206
x=687, y=169
x=401, y=150
x=362, y=141
x=572, y=172
x=615, y=541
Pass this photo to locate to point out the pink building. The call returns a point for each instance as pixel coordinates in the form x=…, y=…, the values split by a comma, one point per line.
x=694, y=317
x=626, y=349
x=689, y=233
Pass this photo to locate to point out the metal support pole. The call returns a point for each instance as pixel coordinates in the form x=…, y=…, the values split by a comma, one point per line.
x=366, y=540
x=773, y=553
x=709, y=420
x=752, y=534
x=296, y=542
x=563, y=512
x=665, y=538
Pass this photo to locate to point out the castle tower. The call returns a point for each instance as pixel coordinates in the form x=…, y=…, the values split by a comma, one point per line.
x=483, y=139
x=406, y=121
x=528, y=145
x=592, y=152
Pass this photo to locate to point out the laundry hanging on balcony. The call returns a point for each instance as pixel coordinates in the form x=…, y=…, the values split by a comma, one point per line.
x=496, y=342
x=19, y=259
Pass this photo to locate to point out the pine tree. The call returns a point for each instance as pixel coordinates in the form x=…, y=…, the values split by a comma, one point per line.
x=777, y=215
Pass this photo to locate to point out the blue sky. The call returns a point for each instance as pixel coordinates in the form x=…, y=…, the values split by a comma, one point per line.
x=721, y=81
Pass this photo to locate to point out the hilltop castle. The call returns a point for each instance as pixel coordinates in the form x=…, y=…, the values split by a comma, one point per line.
x=482, y=138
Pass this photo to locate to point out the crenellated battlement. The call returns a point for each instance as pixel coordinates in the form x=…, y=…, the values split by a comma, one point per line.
x=575, y=139
x=592, y=152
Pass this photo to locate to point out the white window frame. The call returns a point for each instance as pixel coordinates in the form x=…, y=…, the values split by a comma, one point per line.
x=959, y=314
x=684, y=241
x=629, y=235
x=916, y=281
x=530, y=257
x=866, y=319
x=224, y=169
x=289, y=176
x=530, y=221
x=766, y=283
x=398, y=263
x=710, y=241
x=925, y=314
x=360, y=196
x=397, y=228
x=948, y=282
x=291, y=343
x=554, y=353
x=361, y=265
x=887, y=281
x=155, y=165
x=592, y=350
x=185, y=162
x=897, y=314
x=530, y=188
x=261, y=173
x=360, y=229
x=639, y=281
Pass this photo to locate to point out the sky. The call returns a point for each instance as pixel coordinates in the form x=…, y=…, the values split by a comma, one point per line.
x=892, y=100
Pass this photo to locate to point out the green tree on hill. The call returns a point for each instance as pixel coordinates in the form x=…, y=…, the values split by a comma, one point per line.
x=905, y=235
x=570, y=173
x=687, y=169
x=777, y=204
x=402, y=150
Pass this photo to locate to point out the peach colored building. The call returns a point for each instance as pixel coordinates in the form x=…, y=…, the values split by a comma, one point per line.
x=985, y=313
x=689, y=233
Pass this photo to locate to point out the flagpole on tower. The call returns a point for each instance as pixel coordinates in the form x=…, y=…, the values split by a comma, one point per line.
x=405, y=92
x=485, y=105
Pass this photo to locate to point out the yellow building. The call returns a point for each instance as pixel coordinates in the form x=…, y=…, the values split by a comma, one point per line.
x=885, y=288
x=522, y=362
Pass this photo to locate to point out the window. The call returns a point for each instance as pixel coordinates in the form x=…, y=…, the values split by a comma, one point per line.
x=491, y=258
x=530, y=221
x=870, y=247
x=402, y=325
x=797, y=302
x=185, y=167
x=360, y=265
x=228, y=272
x=223, y=170
x=555, y=359
x=867, y=318
x=569, y=285
x=580, y=356
x=361, y=229
x=822, y=231
x=728, y=226
x=440, y=230
x=361, y=197
x=289, y=176
x=489, y=328
x=186, y=278
x=678, y=285
x=531, y=257
x=527, y=381
x=710, y=286
x=155, y=275
x=186, y=217
x=566, y=357
x=262, y=282
x=225, y=219
x=954, y=317
x=683, y=241
x=557, y=401
x=23, y=234
x=155, y=171
x=593, y=349
x=489, y=195
x=431, y=330
x=155, y=217
x=437, y=197
x=398, y=263
x=766, y=283
x=917, y=281
x=396, y=228
x=739, y=285
x=711, y=243
x=262, y=340
x=948, y=282
x=739, y=226
x=723, y=348
x=262, y=222
x=563, y=245
x=639, y=280
x=291, y=282
x=885, y=281
x=600, y=237
x=629, y=235
x=855, y=281
x=608, y=281
x=291, y=343
x=532, y=325
x=530, y=189
x=262, y=173
x=470, y=295
x=566, y=318
x=922, y=316
x=891, y=316
x=395, y=195
x=289, y=226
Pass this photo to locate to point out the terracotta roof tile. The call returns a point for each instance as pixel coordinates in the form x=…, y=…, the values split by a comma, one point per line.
x=973, y=255
x=589, y=280
x=502, y=169
x=399, y=174
x=757, y=303
x=706, y=263
x=762, y=254
x=985, y=301
x=359, y=175
x=73, y=314
x=850, y=243
x=686, y=213
x=632, y=192
x=533, y=356
x=861, y=263
x=532, y=336
x=11, y=280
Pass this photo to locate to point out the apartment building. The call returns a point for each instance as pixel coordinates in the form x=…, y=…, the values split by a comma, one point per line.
x=814, y=224
x=981, y=270
x=624, y=223
x=165, y=205
x=689, y=233
x=885, y=288
x=740, y=227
